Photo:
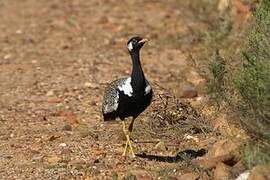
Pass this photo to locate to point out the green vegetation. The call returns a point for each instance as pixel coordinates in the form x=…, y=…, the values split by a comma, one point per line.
x=255, y=153
x=253, y=79
x=243, y=87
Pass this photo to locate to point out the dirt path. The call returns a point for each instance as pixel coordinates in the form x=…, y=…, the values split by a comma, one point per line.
x=55, y=59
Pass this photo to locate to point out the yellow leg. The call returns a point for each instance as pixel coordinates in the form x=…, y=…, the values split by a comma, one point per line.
x=124, y=129
x=128, y=142
x=129, y=133
x=130, y=146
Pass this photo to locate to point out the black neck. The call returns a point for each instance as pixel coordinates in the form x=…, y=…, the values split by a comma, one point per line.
x=137, y=76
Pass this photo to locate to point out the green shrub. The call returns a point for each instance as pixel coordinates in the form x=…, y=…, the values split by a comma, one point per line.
x=255, y=153
x=252, y=82
x=244, y=88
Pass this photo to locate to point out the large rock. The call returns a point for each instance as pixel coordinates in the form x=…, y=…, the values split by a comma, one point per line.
x=260, y=172
x=222, y=172
x=189, y=176
x=222, y=148
x=210, y=163
x=223, y=151
x=243, y=176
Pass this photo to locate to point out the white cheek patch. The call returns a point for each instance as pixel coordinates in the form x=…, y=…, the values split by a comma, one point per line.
x=130, y=46
x=147, y=89
x=126, y=87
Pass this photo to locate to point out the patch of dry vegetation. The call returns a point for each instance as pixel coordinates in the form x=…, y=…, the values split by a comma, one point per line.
x=170, y=115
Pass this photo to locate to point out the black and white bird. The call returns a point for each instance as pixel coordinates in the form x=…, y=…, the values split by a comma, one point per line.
x=130, y=96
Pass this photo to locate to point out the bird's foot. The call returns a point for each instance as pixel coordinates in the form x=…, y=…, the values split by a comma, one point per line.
x=125, y=150
x=132, y=154
x=128, y=143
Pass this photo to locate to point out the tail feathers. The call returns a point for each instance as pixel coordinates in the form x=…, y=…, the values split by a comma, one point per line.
x=109, y=116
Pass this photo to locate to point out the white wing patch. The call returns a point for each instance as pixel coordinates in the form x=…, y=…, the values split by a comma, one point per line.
x=147, y=89
x=130, y=46
x=126, y=87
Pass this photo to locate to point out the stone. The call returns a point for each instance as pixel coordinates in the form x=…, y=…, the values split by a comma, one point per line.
x=211, y=162
x=222, y=148
x=189, y=176
x=89, y=85
x=260, y=172
x=19, y=31
x=243, y=176
x=62, y=144
x=188, y=91
x=222, y=172
x=8, y=56
x=50, y=93
x=190, y=137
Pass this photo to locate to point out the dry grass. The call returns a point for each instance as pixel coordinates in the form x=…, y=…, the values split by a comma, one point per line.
x=171, y=115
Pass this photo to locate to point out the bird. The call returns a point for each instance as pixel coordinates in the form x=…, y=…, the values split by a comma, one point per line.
x=129, y=96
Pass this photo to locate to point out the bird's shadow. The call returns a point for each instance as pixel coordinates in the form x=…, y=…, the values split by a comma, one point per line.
x=180, y=156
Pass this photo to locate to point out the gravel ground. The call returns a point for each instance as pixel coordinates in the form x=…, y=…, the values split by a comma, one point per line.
x=56, y=58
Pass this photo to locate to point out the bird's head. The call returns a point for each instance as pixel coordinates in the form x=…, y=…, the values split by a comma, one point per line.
x=134, y=44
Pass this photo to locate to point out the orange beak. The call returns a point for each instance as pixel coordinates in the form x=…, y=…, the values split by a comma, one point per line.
x=143, y=41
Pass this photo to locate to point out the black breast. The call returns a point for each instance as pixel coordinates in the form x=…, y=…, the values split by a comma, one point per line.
x=122, y=100
x=134, y=105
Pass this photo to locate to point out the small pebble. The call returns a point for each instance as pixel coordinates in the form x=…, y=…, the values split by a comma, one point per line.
x=90, y=85
x=8, y=56
x=34, y=61
x=50, y=93
x=67, y=127
x=188, y=91
x=63, y=145
x=18, y=31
